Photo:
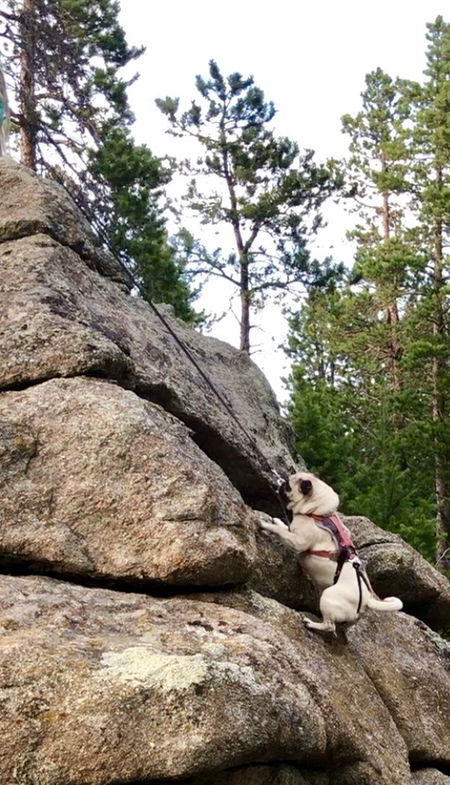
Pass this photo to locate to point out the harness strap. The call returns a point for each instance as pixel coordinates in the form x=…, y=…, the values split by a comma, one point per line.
x=356, y=564
x=346, y=551
x=332, y=555
x=333, y=524
x=342, y=556
x=357, y=567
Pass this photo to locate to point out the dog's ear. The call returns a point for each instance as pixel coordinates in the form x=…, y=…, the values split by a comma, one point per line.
x=305, y=487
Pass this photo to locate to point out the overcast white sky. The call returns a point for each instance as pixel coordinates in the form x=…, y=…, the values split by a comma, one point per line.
x=310, y=58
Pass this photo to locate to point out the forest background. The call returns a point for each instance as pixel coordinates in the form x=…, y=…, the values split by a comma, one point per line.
x=243, y=204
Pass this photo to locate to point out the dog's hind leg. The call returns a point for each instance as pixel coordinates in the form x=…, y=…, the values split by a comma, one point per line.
x=327, y=625
x=341, y=632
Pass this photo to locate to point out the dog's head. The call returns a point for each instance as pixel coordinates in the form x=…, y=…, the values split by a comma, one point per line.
x=306, y=494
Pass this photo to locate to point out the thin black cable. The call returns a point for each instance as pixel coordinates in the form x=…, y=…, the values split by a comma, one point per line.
x=90, y=219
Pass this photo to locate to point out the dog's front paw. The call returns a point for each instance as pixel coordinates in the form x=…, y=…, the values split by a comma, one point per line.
x=271, y=524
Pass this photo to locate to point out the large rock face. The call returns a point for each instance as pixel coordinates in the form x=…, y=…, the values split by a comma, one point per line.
x=97, y=482
x=59, y=317
x=133, y=688
x=126, y=688
x=150, y=632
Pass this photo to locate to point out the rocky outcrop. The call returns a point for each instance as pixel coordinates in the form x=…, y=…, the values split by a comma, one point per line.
x=98, y=483
x=59, y=317
x=128, y=688
x=397, y=568
x=150, y=632
x=31, y=207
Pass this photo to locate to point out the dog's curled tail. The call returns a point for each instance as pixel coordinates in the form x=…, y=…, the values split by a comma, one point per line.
x=388, y=604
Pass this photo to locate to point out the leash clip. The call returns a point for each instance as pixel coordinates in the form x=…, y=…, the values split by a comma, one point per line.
x=279, y=480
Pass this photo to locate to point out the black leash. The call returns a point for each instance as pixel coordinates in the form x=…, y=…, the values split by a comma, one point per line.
x=279, y=481
x=344, y=556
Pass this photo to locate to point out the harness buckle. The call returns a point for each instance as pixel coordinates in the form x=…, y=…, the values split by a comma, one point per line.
x=358, y=564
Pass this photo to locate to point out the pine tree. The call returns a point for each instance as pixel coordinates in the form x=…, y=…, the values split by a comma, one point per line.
x=376, y=334
x=378, y=168
x=345, y=416
x=128, y=217
x=65, y=57
x=431, y=204
x=261, y=187
x=71, y=112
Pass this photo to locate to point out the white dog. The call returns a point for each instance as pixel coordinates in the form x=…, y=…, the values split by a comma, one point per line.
x=327, y=553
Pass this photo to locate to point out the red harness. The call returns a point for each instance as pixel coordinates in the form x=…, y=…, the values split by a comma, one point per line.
x=345, y=551
x=333, y=525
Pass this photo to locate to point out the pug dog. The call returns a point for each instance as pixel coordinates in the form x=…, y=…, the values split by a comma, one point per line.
x=326, y=552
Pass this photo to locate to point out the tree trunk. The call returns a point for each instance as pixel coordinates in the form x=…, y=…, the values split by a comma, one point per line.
x=4, y=115
x=245, y=308
x=441, y=483
x=442, y=498
x=28, y=114
x=393, y=320
x=392, y=316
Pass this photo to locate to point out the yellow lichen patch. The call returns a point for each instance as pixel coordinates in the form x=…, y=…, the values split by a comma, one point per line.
x=165, y=671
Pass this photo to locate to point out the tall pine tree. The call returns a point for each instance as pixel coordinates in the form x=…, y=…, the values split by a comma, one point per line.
x=430, y=141
x=260, y=186
x=71, y=114
x=386, y=333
